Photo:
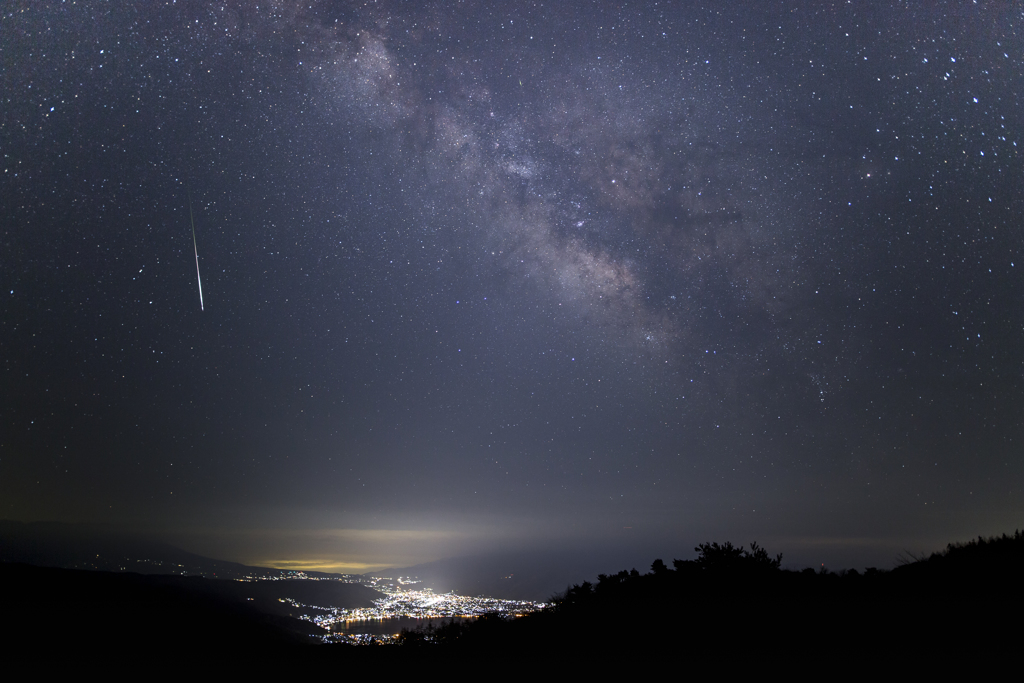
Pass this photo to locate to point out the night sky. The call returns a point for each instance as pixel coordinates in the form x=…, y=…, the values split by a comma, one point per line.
x=485, y=276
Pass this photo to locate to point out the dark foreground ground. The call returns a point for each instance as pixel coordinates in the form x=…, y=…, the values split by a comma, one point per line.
x=729, y=610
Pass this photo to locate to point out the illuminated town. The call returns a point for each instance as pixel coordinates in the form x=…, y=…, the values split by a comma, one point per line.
x=402, y=604
x=407, y=603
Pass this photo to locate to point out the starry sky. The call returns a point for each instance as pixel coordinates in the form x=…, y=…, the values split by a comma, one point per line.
x=491, y=276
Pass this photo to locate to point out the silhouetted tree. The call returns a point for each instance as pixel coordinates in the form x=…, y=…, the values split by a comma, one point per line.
x=728, y=558
x=759, y=557
x=576, y=595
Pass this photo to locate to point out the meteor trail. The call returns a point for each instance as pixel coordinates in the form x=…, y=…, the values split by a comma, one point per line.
x=194, y=247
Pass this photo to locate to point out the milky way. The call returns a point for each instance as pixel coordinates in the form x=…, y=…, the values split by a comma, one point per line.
x=560, y=270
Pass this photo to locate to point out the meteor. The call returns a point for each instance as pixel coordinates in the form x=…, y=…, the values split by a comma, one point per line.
x=194, y=247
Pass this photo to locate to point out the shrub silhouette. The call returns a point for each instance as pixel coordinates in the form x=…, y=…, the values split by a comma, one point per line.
x=996, y=555
x=731, y=600
x=728, y=559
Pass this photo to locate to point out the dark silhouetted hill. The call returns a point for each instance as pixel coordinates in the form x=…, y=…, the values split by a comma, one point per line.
x=77, y=610
x=733, y=604
x=171, y=604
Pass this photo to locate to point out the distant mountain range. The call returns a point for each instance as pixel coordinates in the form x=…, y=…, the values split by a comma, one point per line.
x=517, y=576
x=72, y=546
